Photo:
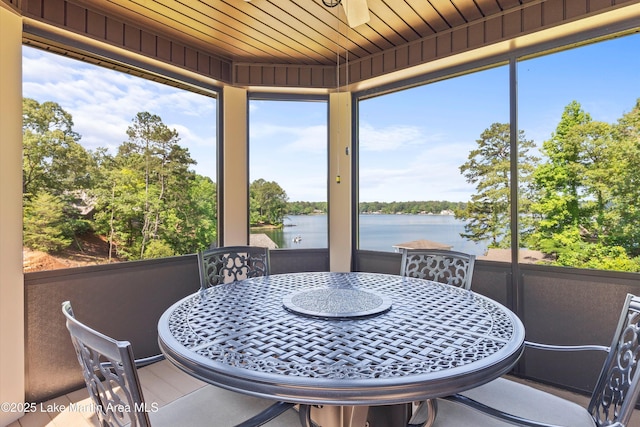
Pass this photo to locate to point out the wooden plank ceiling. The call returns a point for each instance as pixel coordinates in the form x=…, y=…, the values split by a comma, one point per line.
x=298, y=31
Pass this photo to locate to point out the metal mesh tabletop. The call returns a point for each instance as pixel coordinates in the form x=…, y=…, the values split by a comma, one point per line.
x=434, y=340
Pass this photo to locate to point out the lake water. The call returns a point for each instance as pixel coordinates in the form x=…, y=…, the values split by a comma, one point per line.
x=378, y=232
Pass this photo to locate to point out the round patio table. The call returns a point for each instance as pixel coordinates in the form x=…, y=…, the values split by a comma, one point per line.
x=342, y=339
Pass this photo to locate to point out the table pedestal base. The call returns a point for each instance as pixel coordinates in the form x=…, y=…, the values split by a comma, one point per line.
x=375, y=416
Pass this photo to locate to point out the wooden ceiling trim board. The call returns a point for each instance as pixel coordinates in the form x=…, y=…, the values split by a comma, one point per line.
x=261, y=25
x=425, y=28
x=238, y=43
x=213, y=28
x=308, y=35
x=469, y=9
x=135, y=18
x=509, y=4
x=363, y=36
x=383, y=31
x=430, y=15
x=411, y=17
x=488, y=7
x=449, y=13
x=392, y=22
x=329, y=21
x=109, y=55
x=318, y=25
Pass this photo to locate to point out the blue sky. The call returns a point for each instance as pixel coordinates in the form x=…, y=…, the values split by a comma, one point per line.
x=412, y=142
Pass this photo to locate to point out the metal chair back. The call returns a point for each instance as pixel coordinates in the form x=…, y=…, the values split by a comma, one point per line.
x=110, y=374
x=232, y=263
x=616, y=392
x=450, y=267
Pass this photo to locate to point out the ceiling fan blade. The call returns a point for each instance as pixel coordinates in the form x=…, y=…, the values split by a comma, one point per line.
x=357, y=12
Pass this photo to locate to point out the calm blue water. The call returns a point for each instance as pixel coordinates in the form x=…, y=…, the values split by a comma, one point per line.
x=378, y=232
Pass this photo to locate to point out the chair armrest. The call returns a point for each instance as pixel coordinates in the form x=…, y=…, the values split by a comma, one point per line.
x=495, y=413
x=552, y=347
x=149, y=360
x=139, y=362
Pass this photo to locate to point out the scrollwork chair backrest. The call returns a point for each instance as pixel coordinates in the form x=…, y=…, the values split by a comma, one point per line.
x=118, y=399
x=616, y=392
x=450, y=267
x=232, y=263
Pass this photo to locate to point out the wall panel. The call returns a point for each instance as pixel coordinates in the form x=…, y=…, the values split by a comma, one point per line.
x=576, y=8
x=77, y=18
x=511, y=24
x=531, y=18
x=570, y=306
x=493, y=31
x=96, y=24
x=552, y=12
x=114, y=32
x=122, y=300
x=460, y=39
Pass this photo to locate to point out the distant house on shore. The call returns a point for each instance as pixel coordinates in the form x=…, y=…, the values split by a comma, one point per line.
x=422, y=244
x=262, y=240
x=527, y=256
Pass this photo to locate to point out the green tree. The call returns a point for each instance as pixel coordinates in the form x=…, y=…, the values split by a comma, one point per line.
x=44, y=223
x=55, y=163
x=488, y=167
x=623, y=176
x=53, y=160
x=158, y=249
x=306, y=208
x=267, y=202
x=573, y=184
x=192, y=225
x=574, y=251
x=146, y=150
x=145, y=194
x=120, y=210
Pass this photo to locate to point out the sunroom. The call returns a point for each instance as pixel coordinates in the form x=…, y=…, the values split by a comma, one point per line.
x=438, y=57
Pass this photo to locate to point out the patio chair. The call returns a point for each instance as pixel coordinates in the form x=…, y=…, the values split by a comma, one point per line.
x=503, y=402
x=231, y=263
x=110, y=374
x=450, y=267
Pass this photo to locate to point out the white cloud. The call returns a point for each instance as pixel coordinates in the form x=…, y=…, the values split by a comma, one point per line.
x=310, y=139
x=191, y=139
x=391, y=137
x=104, y=102
x=430, y=173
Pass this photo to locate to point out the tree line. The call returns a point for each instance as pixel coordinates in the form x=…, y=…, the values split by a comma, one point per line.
x=414, y=207
x=411, y=207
